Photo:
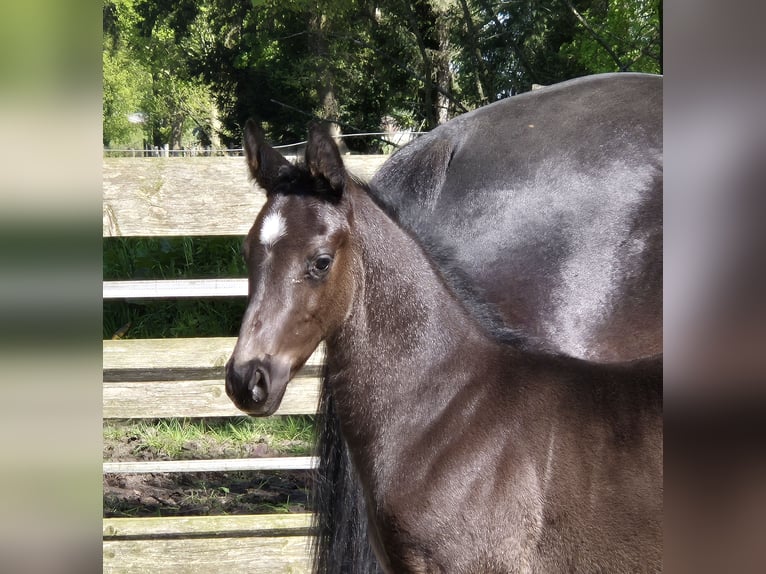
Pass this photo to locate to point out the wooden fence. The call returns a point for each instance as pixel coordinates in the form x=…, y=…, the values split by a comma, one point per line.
x=160, y=378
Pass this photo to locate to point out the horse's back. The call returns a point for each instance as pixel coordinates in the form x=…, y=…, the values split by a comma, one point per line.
x=551, y=204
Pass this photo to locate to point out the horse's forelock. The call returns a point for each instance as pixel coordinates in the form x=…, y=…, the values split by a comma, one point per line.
x=298, y=180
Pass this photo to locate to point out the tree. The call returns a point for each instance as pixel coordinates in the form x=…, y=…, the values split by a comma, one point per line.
x=125, y=83
x=355, y=62
x=618, y=36
x=125, y=79
x=146, y=76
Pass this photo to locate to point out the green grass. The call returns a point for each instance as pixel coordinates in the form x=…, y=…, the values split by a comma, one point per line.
x=172, y=258
x=219, y=317
x=200, y=438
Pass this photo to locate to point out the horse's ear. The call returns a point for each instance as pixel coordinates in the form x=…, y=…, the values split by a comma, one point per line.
x=263, y=161
x=323, y=158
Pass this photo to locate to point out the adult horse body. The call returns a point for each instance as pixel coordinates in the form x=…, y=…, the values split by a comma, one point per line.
x=549, y=206
x=475, y=455
x=550, y=203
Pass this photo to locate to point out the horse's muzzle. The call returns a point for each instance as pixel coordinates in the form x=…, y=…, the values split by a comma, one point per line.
x=256, y=386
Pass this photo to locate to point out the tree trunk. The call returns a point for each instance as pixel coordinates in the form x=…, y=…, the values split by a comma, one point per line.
x=215, y=128
x=428, y=23
x=328, y=103
x=418, y=17
x=441, y=61
x=480, y=66
x=661, y=37
x=176, y=131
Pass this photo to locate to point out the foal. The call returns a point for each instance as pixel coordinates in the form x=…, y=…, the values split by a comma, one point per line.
x=474, y=455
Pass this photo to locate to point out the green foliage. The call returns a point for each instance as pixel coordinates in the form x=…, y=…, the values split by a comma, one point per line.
x=125, y=83
x=355, y=61
x=146, y=71
x=172, y=257
x=522, y=44
x=630, y=29
x=126, y=80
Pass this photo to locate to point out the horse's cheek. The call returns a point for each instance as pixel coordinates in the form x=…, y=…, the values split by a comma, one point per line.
x=339, y=302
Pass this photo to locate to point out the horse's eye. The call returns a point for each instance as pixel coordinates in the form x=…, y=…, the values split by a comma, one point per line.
x=320, y=266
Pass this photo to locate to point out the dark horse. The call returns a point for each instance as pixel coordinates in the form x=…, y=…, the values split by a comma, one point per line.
x=475, y=454
x=548, y=206
x=551, y=204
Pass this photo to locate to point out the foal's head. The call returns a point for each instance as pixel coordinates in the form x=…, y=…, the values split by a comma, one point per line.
x=298, y=259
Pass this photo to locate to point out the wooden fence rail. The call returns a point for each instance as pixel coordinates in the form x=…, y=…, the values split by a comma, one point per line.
x=158, y=378
x=175, y=288
x=230, y=544
x=188, y=196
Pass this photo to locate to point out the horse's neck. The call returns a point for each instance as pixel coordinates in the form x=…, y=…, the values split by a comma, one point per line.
x=403, y=309
x=397, y=350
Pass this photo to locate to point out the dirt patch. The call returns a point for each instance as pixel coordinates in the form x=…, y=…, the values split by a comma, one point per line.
x=202, y=493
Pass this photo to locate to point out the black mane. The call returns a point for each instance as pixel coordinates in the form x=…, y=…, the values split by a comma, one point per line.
x=298, y=180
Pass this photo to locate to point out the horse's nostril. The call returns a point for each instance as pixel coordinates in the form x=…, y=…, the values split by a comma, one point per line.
x=258, y=385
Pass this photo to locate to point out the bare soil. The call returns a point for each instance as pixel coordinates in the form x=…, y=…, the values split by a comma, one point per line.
x=201, y=493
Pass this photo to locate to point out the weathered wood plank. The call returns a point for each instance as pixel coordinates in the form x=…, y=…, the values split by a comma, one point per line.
x=227, y=525
x=251, y=543
x=245, y=555
x=156, y=378
x=201, y=352
x=188, y=196
x=248, y=543
x=206, y=398
x=175, y=288
x=212, y=465
x=166, y=359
